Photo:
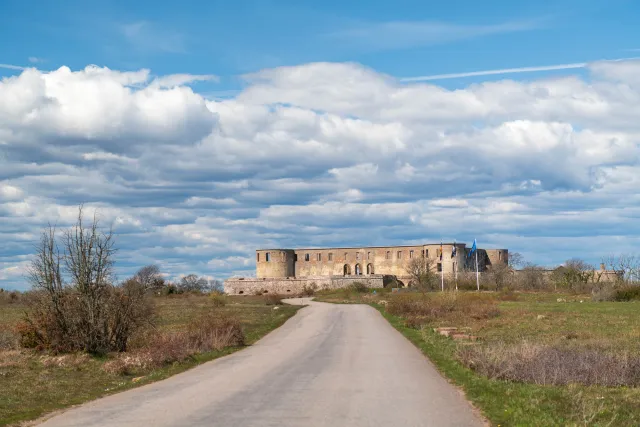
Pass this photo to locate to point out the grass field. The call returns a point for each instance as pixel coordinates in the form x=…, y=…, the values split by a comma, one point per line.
x=32, y=384
x=551, y=319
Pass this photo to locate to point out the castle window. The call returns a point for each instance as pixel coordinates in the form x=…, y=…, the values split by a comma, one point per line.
x=399, y=254
x=306, y=257
x=268, y=257
x=426, y=253
x=423, y=253
x=388, y=256
x=295, y=257
x=319, y=257
x=439, y=267
x=330, y=256
x=358, y=256
x=438, y=252
x=345, y=256
x=410, y=254
x=499, y=256
x=368, y=255
x=258, y=257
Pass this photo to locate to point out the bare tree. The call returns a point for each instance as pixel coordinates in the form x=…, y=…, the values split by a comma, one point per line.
x=575, y=274
x=627, y=265
x=76, y=305
x=516, y=260
x=499, y=274
x=193, y=283
x=149, y=277
x=422, y=276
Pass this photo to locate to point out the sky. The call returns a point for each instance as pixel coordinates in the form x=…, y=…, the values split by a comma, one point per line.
x=203, y=130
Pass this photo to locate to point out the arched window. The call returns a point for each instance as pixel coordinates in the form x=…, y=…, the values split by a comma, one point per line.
x=346, y=270
x=369, y=268
x=358, y=270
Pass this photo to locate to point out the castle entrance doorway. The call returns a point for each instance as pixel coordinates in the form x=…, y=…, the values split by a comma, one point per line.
x=369, y=269
x=347, y=270
x=358, y=270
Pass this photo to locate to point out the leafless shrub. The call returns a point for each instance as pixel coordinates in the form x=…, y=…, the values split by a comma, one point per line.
x=309, y=290
x=549, y=365
x=422, y=274
x=75, y=306
x=359, y=287
x=218, y=300
x=9, y=297
x=212, y=331
x=272, y=299
x=9, y=339
x=431, y=308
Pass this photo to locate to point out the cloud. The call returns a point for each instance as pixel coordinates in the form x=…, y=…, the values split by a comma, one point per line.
x=174, y=80
x=12, y=67
x=149, y=37
x=409, y=34
x=319, y=154
x=36, y=60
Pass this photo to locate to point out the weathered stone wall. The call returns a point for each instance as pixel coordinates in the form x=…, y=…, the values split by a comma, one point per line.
x=293, y=286
x=275, y=263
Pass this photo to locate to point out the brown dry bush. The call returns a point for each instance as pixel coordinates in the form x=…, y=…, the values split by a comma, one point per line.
x=218, y=299
x=552, y=365
x=418, y=309
x=309, y=290
x=272, y=299
x=211, y=331
x=9, y=339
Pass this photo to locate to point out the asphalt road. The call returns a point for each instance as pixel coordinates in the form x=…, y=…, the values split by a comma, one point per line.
x=330, y=365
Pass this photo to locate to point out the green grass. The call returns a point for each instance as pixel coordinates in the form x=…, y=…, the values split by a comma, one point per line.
x=538, y=318
x=29, y=389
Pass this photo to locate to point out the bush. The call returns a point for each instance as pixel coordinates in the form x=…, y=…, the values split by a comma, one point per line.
x=442, y=306
x=212, y=331
x=627, y=293
x=9, y=297
x=9, y=340
x=272, y=299
x=359, y=287
x=549, y=365
x=309, y=290
x=218, y=300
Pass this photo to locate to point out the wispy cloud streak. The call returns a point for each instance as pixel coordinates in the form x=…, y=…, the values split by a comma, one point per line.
x=496, y=72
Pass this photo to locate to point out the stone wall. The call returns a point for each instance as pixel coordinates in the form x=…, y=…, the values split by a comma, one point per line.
x=293, y=286
x=366, y=261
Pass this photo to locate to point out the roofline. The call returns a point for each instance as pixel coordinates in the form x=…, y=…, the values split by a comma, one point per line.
x=364, y=247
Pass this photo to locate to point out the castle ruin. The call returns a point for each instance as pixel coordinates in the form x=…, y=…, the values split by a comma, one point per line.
x=288, y=271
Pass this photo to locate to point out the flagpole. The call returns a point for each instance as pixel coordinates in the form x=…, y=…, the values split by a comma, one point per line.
x=477, y=274
x=442, y=274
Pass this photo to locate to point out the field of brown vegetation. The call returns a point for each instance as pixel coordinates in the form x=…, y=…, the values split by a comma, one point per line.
x=525, y=358
x=187, y=329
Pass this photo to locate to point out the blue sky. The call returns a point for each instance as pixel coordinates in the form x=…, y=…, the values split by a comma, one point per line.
x=203, y=130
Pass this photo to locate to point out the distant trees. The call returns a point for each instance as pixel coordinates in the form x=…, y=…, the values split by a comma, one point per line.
x=193, y=283
x=149, y=277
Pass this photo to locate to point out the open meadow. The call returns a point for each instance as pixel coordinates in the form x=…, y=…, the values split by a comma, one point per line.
x=525, y=358
x=34, y=383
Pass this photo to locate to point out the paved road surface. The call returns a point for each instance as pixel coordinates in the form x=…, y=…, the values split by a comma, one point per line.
x=330, y=365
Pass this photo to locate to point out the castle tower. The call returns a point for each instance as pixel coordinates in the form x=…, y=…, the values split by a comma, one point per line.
x=275, y=263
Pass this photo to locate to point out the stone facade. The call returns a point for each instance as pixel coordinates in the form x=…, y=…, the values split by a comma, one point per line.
x=384, y=260
x=293, y=286
x=285, y=271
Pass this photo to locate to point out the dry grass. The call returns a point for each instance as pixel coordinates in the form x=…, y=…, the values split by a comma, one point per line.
x=33, y=383
x=552, y=365
x=418, y=309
